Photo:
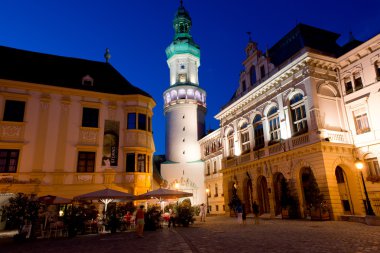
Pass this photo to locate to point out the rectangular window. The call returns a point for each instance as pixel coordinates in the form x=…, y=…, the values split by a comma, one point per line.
x=217, y=208
x=131, y=124
x=142, y=121
x=208, y=170
x=8, y=160
x=141, y=163
x=358, y=83
x=224, y=208
x=377, y=66
x=14, y=111
x=215, y=168
x=86, y=162
x=262, y=71
x=274, y=128
x=130, y=162
x=348, y=86
x=373, y=167
x=245, y=145
x=361, y=121
x=231, y=146
x=90, y=117
x=299, y=118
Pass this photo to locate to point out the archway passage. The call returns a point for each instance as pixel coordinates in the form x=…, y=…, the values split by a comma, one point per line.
x=277, y=192
x=344, y=191
x=263, y=197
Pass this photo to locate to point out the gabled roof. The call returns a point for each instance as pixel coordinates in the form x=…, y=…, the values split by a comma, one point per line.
x=67, y=72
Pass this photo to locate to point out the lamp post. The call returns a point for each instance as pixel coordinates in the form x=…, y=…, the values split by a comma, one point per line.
x=368, y=208
x=207, y=195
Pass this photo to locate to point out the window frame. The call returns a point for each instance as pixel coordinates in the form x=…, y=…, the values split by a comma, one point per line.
x=274, y=124
x=88, y=167
x=361, y=119
x=131, y=120
x=88, y=118
x=298, y=107
x=258, y=132
x=10, y=160
x=9, y=110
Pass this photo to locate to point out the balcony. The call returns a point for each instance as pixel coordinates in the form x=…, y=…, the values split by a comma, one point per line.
x=89, y=136
x=286, y=145
x=12, y=131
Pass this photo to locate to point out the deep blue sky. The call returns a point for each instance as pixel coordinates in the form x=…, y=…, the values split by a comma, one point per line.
x=137, y=33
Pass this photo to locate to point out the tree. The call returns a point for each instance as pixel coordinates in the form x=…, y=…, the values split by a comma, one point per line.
x=22, y=209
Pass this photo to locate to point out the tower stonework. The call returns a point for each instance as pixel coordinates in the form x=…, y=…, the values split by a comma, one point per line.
x=185, y=110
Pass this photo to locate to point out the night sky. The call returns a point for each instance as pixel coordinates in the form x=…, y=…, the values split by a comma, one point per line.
x=137, y=33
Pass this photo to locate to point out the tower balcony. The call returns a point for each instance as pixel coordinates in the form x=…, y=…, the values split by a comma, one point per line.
x=185, y=94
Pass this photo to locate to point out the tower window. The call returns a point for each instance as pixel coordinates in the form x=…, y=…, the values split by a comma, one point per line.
x=184, y=129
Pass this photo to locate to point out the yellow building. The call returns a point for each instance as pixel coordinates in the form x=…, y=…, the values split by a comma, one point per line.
x=70, y=126
x=306, y=111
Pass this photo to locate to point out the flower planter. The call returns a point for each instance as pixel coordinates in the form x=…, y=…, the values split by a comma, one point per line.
x=320, y=214
x=285, y=213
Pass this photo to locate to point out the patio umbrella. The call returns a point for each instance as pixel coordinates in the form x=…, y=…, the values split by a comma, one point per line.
x=106, y=196
x=164, y=194
x=54, y=200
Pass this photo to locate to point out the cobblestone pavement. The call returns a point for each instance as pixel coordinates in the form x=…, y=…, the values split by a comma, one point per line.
x=220, y=234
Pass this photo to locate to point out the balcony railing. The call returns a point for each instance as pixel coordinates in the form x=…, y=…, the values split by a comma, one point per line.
x=12, y=131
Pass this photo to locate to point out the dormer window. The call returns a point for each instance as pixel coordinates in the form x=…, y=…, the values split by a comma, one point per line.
x=87, y=81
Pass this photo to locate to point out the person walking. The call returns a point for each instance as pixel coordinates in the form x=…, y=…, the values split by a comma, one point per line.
x=140, y=221
x=255, y=209
x=202, y=212
x=171, y=218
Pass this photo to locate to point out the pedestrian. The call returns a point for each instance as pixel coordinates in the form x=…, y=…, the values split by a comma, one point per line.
x=239, y=211
x=202, y=212
x=140, y=221
x=171, y=218
x=255, y=209
x=244, y=214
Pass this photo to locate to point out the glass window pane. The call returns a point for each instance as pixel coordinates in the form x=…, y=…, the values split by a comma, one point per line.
x=90, y=117
x=14, y=111
x=142, y=122
x=131, y=124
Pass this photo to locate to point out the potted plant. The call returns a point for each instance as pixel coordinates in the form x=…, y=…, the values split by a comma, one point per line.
x=289, y=203
x=185, y=213
x=315, y=201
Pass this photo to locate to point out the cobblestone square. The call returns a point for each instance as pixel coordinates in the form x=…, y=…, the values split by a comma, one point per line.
x=220, y=234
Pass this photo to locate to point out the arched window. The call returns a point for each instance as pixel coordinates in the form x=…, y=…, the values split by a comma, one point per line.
x=298, y=114
x=252, y=74
x=274, y=124
x=244, y=138
x=258, y=132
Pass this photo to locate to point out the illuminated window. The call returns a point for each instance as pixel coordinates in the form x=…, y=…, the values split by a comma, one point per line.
x=8, y=160
x=274, y=124
x=86, y=162
x=230, y=138
x=141, y=163
x=244, y=137
x=298, y=114
x=258, y=132
x=361, y=121
x=14, y=111
x=373, y=167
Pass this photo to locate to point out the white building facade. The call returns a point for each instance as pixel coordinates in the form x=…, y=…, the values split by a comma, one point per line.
x=184, y=109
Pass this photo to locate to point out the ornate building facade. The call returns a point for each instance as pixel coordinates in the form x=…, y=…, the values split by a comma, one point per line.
x=306, y=108
x=70, y=126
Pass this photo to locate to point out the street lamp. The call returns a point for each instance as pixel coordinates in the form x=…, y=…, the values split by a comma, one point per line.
x=368, y=208
x=207, y=195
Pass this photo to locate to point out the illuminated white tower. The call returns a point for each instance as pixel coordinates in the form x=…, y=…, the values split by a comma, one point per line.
x=185, y=109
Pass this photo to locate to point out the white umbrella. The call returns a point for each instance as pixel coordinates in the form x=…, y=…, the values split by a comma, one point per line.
x=106, y=196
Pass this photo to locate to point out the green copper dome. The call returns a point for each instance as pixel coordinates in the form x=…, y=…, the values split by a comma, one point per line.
x=183, y=41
